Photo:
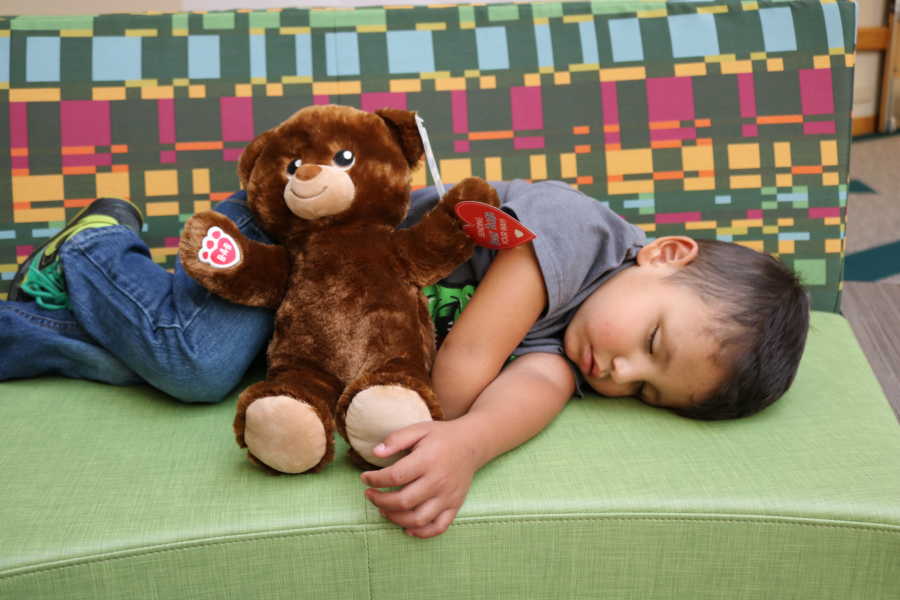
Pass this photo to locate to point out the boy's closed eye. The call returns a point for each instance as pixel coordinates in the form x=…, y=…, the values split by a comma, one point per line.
x=643, y=390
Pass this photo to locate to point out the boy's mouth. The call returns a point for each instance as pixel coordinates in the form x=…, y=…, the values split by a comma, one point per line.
x=589, y=366
x=587, y=362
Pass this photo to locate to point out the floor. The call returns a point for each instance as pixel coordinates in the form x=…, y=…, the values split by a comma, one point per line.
x=871, y=298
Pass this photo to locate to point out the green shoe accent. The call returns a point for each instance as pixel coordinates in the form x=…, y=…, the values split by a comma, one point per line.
x=44, y=280
x=40, y=276
x=46, y=285
x=88, y=222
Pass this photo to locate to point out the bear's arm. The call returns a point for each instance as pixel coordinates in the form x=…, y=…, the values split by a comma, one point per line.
x=437, y=244
x=259, y=274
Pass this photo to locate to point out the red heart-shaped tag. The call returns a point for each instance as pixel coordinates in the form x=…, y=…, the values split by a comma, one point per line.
x=218, y=249
x=491, y=227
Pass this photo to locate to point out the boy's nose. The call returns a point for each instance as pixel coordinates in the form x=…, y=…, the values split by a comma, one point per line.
x=624, y=370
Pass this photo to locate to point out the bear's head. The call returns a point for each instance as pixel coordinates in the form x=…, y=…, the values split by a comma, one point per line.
x=331, y=165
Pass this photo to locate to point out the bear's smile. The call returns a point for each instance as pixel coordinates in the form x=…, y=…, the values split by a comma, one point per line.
x=308, y=196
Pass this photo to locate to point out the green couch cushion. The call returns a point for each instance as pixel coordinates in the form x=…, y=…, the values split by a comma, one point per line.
x=112, y=492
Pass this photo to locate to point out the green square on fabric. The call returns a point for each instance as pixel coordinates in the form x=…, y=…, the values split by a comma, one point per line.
x=180, y=21
x=466, y=14
x=507, y=12
x=265, y=20
x=601, y=7
x=52, y=23
x=546, y=10
x=223, y=20
x=347, y=18
x=812, y=271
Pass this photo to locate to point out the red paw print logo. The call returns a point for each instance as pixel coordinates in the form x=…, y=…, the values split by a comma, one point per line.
x=218, y=249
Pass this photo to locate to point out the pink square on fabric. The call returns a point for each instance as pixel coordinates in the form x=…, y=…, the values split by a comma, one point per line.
x=84, y=123
x=372, y=101
x=670, y=99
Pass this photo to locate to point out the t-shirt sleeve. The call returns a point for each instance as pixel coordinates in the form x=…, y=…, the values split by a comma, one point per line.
x=579, y=240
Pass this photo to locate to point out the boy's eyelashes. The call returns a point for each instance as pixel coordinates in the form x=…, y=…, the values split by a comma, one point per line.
x=652, y=338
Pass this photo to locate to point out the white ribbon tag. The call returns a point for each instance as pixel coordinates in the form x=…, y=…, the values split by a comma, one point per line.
x=429, y=157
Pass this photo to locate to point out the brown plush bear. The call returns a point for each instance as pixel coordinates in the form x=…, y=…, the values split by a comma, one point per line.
x=353, y=344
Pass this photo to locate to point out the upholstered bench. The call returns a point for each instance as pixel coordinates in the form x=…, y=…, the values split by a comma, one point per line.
x=122, y=493
x=724, y=120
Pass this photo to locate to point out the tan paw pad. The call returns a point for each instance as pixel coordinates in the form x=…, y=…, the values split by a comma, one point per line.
x=285, y=434
x=378, y=411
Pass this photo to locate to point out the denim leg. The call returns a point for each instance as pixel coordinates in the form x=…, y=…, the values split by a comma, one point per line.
x=35, y=341
x=168, y=329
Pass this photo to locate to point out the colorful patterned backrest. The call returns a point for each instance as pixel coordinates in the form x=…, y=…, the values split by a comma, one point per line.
x=726, y=120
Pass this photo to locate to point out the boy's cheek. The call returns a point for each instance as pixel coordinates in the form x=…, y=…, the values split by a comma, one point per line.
x=611, y=389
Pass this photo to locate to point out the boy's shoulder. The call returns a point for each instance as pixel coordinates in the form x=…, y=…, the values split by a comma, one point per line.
x=558, y=207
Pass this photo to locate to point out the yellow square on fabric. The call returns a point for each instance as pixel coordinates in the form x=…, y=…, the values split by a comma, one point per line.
x=36, y=188
x=829, y=149
x=632, y=187
x=493, y=168
x=629, y=162
x=782, y=154
x=161, y=183
x=538, y=164
x=200, y=181
x=115, y=185
x=161, y=209
x=746, y=181
x=743, y=156
x=692, y=184
x=697, y=158
x=454, y=170
x=831, y=179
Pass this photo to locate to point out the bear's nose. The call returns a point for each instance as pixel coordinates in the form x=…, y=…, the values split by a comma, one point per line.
x=307, y=172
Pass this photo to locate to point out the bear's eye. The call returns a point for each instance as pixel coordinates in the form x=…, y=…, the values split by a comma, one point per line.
x=344, y=159
x=293, y=166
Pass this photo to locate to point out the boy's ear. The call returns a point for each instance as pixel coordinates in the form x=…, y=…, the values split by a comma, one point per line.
x=673, y=250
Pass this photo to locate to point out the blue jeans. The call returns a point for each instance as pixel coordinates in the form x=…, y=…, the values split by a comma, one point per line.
x=131, y=321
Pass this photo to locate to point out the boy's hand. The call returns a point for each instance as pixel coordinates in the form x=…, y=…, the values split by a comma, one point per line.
x=435, y=476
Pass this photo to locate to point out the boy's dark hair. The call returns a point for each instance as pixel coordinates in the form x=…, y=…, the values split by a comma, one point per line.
x=764, y=311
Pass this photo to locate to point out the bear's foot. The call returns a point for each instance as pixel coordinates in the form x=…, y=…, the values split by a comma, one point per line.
x=285, y=434
x=378, y=411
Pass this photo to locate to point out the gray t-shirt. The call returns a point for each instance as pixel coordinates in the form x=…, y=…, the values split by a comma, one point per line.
x=580, y=243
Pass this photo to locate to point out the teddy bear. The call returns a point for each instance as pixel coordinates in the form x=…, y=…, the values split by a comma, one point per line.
x=353, y=344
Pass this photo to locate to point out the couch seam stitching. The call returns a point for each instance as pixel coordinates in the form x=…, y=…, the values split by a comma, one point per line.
x=184, y=546
x=368, y=561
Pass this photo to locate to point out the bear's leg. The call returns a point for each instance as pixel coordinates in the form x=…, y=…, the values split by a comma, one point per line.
x=377, y=404
x=285, y=422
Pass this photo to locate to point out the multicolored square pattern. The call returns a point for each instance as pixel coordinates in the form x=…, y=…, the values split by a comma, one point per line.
x=727, y=120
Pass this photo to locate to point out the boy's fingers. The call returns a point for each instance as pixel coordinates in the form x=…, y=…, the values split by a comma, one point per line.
x=421, y=516
x=402, y=472
x=402, y=439
x=436, y=527
x=407, y=499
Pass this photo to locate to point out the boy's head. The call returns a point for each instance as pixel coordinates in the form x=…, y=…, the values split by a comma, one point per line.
x=711, y=330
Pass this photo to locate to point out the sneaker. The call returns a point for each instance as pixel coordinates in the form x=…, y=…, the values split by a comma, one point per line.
x=40, y=276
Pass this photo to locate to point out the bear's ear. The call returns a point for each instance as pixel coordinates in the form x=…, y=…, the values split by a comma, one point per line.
x=402, y=124
x=250, y=154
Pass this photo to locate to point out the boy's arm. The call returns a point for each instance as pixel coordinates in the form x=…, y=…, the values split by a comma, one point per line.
x=505, y=305
x=436, y=475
